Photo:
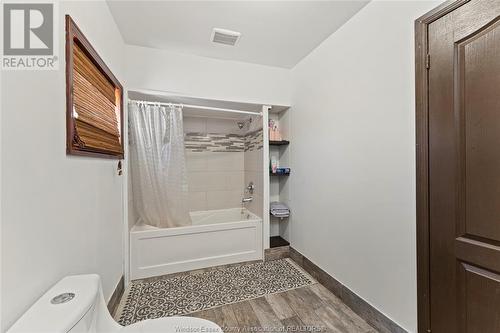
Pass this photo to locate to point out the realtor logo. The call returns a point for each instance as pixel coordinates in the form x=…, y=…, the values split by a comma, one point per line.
x=28, y=36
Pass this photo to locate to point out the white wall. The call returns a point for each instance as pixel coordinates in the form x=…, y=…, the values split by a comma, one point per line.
x=61, y=215
x=201, y=77
x=353, y=183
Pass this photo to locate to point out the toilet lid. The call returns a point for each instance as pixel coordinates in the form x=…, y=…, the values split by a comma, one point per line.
x=173, y=325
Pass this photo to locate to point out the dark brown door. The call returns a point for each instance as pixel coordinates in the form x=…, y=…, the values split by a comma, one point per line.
x=464, y=169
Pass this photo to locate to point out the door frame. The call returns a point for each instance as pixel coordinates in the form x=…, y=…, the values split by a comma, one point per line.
x=422, y=158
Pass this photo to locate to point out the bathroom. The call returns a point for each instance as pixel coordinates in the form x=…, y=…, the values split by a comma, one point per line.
x=230, y=166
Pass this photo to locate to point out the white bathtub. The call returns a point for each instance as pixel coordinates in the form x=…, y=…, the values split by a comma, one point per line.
x=216, y=237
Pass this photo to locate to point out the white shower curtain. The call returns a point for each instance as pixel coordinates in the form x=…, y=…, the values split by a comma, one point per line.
x=159, y=181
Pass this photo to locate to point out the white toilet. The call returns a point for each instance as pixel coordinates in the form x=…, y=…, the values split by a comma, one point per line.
x=76, y=305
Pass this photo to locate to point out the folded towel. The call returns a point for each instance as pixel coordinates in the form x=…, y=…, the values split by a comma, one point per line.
x=280, y=215
x=279, y=209
x=279, y=206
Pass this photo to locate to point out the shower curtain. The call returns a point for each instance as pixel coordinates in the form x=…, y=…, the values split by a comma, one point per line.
x=159, y=180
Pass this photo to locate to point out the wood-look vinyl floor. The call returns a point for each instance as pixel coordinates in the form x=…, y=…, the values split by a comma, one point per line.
x=308, y=309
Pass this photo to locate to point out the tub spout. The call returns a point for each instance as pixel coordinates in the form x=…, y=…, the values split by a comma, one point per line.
x=249, y=199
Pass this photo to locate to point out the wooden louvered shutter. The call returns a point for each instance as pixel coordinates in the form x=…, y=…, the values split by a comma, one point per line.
x=94, y=101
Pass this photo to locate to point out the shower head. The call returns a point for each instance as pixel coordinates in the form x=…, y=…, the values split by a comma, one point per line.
x=241, y=124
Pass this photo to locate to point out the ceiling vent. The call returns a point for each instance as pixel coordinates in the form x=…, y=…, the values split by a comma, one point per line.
x=227, y=37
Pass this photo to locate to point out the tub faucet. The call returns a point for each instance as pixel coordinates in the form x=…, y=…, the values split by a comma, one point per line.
x=249, y=199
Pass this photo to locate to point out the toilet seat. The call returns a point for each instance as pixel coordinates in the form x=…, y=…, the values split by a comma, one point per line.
x=173, y=325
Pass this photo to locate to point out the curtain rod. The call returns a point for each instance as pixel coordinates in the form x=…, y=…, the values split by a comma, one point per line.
x=200, y=107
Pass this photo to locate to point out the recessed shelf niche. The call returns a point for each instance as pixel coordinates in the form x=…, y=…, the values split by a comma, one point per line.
x=280, y=183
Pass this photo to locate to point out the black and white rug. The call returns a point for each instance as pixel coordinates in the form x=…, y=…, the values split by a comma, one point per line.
x=187, y=293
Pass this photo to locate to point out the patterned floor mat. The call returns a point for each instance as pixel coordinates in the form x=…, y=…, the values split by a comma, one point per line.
x=186, y=293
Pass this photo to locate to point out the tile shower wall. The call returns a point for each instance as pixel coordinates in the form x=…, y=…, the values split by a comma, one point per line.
x=215, y=174
x=253, y=159
x=215, y=180
x=219, y=158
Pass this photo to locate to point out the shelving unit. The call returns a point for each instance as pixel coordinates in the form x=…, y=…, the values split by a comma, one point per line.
x=279, y=183
x=278, y=174
x=279, y=143
x=277, y=241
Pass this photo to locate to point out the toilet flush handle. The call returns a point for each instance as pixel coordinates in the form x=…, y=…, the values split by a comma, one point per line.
x=62, y=298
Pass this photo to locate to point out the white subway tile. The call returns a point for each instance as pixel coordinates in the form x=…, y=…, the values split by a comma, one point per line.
x=194, y=124
x=197, y=201
x=224, y=199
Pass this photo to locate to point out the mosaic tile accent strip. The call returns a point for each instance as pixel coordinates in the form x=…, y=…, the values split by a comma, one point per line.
x=254, y=140
x=213, y=142
x=188, y=292
x=200, y=142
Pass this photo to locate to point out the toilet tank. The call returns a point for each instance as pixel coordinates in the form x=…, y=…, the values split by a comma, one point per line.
x=68, y=306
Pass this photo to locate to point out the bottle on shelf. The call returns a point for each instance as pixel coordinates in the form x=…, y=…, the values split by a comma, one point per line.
x=274, y=132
